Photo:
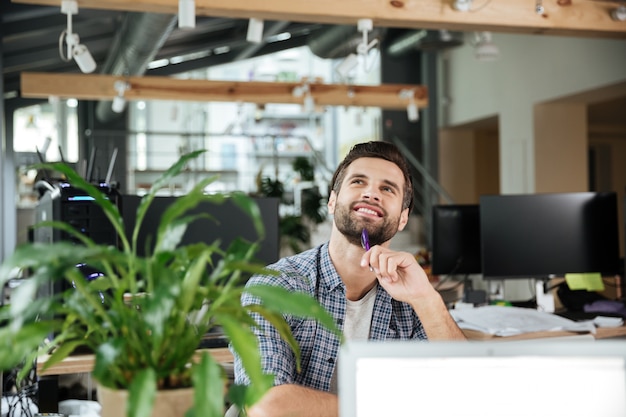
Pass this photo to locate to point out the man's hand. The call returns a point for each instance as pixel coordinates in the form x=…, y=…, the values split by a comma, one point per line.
x=405, y=280
x=398, y=273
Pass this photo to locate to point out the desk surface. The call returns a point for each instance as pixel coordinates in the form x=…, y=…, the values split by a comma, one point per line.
x=84, y=363
x=601, y=333
x=76, y=364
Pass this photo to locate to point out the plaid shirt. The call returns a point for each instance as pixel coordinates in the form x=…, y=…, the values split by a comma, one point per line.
x=391, y=319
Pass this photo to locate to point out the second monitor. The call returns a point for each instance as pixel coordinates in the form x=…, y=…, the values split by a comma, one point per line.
x=230, y=223
x=456, y=239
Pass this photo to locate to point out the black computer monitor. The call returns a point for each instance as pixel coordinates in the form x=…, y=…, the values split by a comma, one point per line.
x=623, y=271
x=229, y=222
x=456, y=239
x=546, y=235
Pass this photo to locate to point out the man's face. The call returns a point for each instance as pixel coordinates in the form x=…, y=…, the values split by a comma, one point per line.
x=370, y=197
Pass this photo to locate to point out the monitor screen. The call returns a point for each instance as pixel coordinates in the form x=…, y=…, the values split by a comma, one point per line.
x=456, y=239
x=546, y=235
x=539, y=378
x=229, y=223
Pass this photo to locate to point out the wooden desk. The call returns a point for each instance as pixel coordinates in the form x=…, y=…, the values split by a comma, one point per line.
x=601, y=333
x=76, y=364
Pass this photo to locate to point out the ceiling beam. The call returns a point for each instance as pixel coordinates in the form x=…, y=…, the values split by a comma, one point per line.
x=101, y=87
x=560, y=17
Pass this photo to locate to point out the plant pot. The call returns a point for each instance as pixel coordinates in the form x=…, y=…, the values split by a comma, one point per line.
x=168, y=403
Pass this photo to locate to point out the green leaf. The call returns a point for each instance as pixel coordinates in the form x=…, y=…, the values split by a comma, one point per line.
x=167, y=176
x=245, y=344
x=251, y=208
x=156, y=310
x=278, y=321
x=61, y=353
x=107, y=355
x=279, y=299
x=142, y=393
x=172, y=218
x=208, y=381
x=15, y=346
x=191, y=281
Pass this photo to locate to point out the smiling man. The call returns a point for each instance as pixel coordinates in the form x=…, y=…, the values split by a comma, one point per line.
x=376, y=294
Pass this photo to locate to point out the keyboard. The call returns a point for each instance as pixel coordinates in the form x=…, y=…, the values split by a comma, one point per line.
x=213, y=339
x=583, y=315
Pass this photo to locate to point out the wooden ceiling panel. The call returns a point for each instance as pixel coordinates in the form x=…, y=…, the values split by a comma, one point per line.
x=563, y=17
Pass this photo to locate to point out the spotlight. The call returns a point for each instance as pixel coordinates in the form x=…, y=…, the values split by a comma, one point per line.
x=309, y=103
x=300, y=90
x=255, y=31
x=348, y=65
x=83, y=58
x=186, y=14
x=362, y=49
x=412, y=111
x=75, y=50
x=304, y=90
x=619, y=14
x=484, y=48
x=119, y=102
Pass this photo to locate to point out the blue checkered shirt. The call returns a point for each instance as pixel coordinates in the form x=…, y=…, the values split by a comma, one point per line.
x=391, y=319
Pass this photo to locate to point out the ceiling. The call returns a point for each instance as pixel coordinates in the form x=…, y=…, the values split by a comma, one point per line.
x=30, y=41
x=124, y=43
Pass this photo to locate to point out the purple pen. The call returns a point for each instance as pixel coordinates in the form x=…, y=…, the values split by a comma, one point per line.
x=365, y=240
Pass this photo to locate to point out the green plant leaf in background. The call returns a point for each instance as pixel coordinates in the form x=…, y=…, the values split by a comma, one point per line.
x=142, y=392
x=209, y=381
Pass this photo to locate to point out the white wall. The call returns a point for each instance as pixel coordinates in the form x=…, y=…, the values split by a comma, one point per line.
x=531, y=69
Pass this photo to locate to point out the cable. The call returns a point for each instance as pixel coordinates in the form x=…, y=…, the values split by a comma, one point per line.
x=62, y=54
x=449, y=275
x=20, y=396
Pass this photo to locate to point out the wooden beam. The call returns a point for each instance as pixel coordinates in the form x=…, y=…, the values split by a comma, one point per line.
x=560, y=17
x=101, y=87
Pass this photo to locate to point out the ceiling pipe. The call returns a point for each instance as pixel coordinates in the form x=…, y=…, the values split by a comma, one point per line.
x=249, y=51
x=135, y=45
x=423, y=40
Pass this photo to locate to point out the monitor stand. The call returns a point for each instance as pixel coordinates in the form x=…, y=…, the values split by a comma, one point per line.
x=545, y=298
x=495, y=290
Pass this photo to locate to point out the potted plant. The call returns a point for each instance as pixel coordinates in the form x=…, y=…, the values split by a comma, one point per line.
x=295, y=229
x=145, y=316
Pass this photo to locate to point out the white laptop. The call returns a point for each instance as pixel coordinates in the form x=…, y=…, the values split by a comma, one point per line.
x=539, y=378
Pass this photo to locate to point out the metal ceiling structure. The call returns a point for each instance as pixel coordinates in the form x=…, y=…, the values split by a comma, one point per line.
x=132, y=43
x=126, y=42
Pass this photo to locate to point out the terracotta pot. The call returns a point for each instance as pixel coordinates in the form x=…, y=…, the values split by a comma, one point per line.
x=168, y=403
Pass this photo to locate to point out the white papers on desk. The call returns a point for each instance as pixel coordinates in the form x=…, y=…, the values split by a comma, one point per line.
x=509, y=321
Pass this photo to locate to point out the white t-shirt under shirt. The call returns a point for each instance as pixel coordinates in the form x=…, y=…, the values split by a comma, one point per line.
x=357, y=324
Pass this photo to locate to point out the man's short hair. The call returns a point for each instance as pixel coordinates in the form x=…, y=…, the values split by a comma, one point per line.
x=377, y=149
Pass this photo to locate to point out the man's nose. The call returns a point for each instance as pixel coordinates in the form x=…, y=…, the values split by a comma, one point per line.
x=371, y=194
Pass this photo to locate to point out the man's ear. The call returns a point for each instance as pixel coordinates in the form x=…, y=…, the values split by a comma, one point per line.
x=332, y=199
x=404, y=219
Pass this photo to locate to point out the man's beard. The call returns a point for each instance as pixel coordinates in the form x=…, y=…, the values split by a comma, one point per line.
x=351, y=226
